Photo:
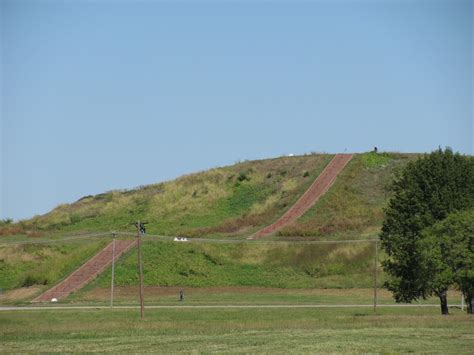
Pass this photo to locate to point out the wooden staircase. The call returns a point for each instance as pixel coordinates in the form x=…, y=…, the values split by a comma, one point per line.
x=317, y=189
x=87, y=272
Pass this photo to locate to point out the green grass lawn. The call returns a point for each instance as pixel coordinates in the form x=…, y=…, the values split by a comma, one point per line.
x=128, y=295
x=237, y=330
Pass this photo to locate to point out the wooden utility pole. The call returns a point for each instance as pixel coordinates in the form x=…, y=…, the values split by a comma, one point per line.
x=113, y=272
x=375, y=274
x=140, y=268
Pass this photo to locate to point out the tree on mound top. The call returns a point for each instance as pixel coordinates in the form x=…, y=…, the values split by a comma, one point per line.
x=424, y=193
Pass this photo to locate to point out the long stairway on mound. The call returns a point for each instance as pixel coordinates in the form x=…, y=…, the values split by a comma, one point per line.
x=87, y=272
x=317, y=189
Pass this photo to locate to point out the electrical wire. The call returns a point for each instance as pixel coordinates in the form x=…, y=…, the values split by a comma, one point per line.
x=190, y=240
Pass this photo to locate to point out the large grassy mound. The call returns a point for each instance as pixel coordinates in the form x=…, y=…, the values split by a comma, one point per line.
x=232, y=201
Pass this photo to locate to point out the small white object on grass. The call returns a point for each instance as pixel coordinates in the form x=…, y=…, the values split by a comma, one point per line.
x=54, y=300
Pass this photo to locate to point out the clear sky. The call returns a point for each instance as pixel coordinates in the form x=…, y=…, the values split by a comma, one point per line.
x=100, y=95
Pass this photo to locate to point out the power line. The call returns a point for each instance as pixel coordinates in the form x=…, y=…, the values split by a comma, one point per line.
x=193, y=240
x=66, y=239
x=255, y=241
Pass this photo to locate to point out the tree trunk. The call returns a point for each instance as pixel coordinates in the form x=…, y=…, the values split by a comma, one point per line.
x=444, y=302
x=470, y=301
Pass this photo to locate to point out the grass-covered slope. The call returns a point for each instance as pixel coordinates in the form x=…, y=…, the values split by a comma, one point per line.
x=251, y=265
x=281, y=265
x=27, y=265
x=224, y=201
x=238, y=200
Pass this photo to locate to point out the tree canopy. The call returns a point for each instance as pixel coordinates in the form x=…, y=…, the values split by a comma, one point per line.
x=424, y=193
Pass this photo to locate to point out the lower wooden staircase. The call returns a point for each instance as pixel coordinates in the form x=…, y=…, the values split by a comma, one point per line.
x=87, y=272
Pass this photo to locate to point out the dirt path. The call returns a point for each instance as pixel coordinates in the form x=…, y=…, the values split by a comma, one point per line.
x=86, y=272
x=39, y=308
x=317, y=189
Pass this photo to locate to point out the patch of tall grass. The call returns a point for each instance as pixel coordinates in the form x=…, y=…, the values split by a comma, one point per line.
x=42, y=264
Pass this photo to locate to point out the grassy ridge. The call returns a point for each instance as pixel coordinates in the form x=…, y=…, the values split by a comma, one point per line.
x=232, y=200
x=238, y=200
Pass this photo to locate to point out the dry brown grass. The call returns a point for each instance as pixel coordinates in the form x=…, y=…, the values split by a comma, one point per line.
x=17, y=229
x=11, y=230
x=19, y=294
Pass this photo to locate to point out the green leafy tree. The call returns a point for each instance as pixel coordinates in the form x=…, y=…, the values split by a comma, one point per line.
x=448, y=254
x=425, y=192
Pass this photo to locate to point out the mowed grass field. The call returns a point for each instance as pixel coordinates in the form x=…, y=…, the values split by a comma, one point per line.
x=196, y=296
x=238, y=330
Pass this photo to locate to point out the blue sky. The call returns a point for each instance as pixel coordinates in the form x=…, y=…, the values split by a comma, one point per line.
x=100, y=95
